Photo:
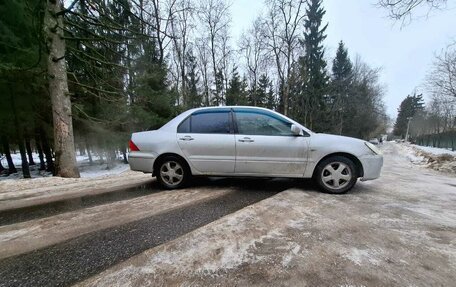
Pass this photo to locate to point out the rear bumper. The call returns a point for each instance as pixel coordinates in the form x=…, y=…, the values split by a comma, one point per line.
x=372, y=166
x=142, y=161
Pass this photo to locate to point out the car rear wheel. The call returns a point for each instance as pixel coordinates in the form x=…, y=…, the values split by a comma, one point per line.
x=336, y=175
x=172, y=173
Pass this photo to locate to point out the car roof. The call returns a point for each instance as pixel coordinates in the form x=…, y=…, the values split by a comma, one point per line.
x=172, y=125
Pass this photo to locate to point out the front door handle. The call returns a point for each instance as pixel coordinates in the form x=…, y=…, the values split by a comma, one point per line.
x=186, y=138
x=246, y=140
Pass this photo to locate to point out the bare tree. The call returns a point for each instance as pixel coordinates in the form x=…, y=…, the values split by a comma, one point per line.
x=283, y=23
x=215, y=17
x=441, y=84
x=402, y=9
x=442, y=78
x=162, y=19
x=225, y=62
x=252, y=47
x=203, y=55
x=181, y=26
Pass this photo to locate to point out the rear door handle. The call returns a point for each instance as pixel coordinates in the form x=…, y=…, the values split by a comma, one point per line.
x=246, y=140
x=186, y=138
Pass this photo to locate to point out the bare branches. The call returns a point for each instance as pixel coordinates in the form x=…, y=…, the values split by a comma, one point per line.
x=284, y=24
x=442, y=79
x=403, y=9
x=215, y=18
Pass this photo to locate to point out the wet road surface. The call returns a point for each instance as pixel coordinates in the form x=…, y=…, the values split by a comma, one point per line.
x=74, y=260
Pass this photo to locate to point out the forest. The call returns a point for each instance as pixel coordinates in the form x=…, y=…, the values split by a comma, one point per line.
x=83, y=75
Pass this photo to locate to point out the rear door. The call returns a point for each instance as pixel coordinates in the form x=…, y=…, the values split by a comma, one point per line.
x=265, y=145
x=207, y=140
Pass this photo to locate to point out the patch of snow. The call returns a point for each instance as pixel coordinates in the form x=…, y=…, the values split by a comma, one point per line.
x=361, y=256
x=434, y=158
x=434, y=150
x=97, y=169
x=101, y=170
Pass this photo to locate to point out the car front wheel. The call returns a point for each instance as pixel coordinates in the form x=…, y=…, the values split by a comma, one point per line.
x=336, y=175
x=172, y=173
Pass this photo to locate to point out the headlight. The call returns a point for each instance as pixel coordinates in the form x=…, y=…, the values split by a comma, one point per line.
x=373, y=148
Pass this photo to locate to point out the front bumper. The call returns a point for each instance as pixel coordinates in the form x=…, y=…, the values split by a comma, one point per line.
x=372, y=166
x=142, y=161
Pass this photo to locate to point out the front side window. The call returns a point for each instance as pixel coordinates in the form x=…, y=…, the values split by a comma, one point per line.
x=259, y=123
x=210, y=122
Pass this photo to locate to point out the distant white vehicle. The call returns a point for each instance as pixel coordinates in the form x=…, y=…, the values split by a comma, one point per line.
x=374, y=141
x=250, y=141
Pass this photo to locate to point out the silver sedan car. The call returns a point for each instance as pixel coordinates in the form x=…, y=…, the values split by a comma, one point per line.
x=250, y=141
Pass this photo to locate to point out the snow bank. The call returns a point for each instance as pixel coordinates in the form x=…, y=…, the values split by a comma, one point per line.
x=87, y=170
x=434, y=150
x=435, y=158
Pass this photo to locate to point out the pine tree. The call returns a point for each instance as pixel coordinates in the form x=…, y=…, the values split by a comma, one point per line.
x=410, y=106
x=193, y=98
x=342, y=74
x=313, y=67
x=236, y=93
x=262, y=91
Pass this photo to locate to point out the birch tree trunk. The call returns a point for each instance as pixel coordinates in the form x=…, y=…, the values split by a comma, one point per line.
x=65, y=158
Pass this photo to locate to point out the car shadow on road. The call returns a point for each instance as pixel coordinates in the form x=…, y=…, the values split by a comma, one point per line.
x=254, y=184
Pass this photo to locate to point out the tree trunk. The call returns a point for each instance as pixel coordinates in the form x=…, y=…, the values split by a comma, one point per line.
x=82, y=151
x=40, y=152
x=65, y=158
x=28, y=148
x=25, y=165
x=47, y=152
x=2, y=169
x=6, y=150
x=88, y=153
x=124, y=154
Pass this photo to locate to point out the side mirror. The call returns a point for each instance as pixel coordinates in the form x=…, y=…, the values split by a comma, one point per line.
x=296, y=130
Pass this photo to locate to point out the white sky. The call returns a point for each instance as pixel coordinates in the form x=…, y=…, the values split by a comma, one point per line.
x=405, y=54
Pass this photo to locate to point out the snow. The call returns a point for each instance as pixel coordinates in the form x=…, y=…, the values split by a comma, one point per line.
x=97, y=169
x=434, y=158
x=435, y=150
x=383, y=229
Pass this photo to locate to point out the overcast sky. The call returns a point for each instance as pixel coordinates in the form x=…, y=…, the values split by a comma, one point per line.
x=405, y=54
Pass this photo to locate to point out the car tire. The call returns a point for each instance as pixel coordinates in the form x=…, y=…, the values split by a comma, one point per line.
x=172, y=173
x=336, y=175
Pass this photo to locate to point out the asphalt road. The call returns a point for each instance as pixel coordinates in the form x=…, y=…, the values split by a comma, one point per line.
x=53, y=208
x=76, y=259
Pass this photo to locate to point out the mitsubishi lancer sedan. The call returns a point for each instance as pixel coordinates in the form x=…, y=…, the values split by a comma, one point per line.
x=250, y=142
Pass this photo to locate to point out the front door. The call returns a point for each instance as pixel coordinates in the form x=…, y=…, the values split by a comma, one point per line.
x=266, y=146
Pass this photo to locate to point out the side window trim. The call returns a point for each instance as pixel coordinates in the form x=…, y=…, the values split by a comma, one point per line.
x=234, y=122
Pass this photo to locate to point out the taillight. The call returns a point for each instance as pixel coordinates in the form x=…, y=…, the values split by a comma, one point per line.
x=132, y=146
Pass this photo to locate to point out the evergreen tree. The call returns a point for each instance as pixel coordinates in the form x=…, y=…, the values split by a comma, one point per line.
x=194, y=98
x=342, y=75
x=236, y=93
x=313, y=68
x=21, y=78
x=410, y=107
x=262, y=91
x=271, y=99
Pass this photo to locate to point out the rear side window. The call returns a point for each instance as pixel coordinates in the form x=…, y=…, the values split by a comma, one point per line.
x=184, y=127
x=207, y=123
